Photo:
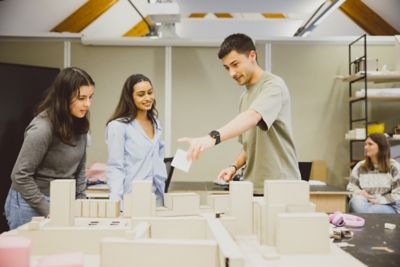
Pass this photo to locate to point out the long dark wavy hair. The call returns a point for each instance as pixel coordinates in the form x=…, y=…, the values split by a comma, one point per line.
x=126, y=110
x=57, y=101
x=383, y=153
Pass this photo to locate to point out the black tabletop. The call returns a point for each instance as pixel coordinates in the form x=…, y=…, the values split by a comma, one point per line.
x=211, y=186
x=373, y=234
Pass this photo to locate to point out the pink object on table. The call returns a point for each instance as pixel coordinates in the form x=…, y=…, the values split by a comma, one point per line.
x=342, y=219
x=74, y=259
x=15, y=251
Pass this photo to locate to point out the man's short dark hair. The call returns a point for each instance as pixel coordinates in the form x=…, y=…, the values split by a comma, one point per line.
x=239, y=42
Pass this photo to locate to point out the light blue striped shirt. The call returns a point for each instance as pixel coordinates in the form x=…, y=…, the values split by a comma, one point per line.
x=132, y=155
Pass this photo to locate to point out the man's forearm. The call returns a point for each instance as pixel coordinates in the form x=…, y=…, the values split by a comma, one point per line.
x=239, y=124
x=240, y=160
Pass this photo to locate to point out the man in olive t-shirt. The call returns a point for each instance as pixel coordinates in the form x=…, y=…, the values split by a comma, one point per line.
x=264, y=122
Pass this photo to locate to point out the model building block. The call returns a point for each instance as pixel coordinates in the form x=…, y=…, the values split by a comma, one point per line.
x=142, y=202
x=182, y=204
x=112, y=208
x=219, y=202
x=78, y=207
x=310, y=207
x=127, y=205
x=141, y=231
x=269, y=222
x=260, y=219
x=229, y=250
x=241, y=205
x=15, y=251
x=174, y=227
x=289, y=192
x=158, y=252
x=75, y=259
x=93, y=208
x=85, y=208
x=102, y=209
x=302, y=233
x=62, y=202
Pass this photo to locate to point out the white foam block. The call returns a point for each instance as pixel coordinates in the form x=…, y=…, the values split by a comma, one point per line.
x=93, y=208
x=183, y=204
x=78, y=208
x=85, y=208
x=140, y=231
x=227, y=246
x=127, y=205
x=174, y=227
x=180, y=161
x=289, y=192
x=260, y=219
x=156, y=253
x=310, y=207
x=75, y=259
x=143, y=204
x=62, y=202
x=112, y=208
x=219, y=203
x=241, y=205
x=269, y=221
x=302, y=233
x=102, y=209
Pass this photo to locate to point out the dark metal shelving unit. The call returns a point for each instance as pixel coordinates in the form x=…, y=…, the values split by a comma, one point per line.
x=356, y=78
x=363, y=78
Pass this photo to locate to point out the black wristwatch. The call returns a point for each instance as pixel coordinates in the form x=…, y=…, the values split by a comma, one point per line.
x=215, y=135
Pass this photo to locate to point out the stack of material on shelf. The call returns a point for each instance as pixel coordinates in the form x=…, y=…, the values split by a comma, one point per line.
x=379, y=92
x=358, y=133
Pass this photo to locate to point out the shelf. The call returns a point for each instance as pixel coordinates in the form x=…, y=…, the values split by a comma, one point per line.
x=375, y=98
x=362, y=140
x=374, y=76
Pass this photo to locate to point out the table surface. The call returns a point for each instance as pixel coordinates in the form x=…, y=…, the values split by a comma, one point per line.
x=373, y=234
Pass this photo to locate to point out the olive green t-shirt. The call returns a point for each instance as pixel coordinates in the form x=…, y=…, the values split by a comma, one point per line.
x=269, y=147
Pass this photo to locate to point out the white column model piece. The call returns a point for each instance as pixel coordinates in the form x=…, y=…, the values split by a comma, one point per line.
x=62, y=202
x=241, y=206
x=182, y=204
x=143, y=199
x=302, y=233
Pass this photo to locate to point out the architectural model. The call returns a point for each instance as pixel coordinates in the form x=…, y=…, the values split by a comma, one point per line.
x=235, y=229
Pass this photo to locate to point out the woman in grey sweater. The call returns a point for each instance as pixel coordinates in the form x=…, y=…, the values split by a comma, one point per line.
x=375, y=181
x=54, y=147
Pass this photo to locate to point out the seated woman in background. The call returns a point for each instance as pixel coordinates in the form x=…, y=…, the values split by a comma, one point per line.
x=133, y=137
x=54, y=147
x=375, y=181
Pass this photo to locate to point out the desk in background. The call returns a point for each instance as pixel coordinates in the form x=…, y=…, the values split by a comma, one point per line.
x=326, y=198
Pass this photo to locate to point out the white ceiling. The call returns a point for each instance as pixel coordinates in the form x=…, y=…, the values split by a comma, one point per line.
x=36, y=18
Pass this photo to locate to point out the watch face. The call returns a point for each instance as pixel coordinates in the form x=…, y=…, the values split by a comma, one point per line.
x=216, y=135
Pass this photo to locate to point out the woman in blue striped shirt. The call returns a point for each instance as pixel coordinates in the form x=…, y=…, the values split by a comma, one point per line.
x=133, y=137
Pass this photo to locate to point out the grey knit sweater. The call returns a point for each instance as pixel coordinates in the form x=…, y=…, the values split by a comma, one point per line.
x=43, y=158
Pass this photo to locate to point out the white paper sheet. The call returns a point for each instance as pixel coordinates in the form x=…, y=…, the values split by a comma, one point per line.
x=180, y=161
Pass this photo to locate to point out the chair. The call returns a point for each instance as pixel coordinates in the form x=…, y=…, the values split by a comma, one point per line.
x=170, y=171
x=305, y=169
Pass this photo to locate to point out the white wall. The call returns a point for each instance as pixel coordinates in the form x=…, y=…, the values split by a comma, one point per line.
x=204, y=97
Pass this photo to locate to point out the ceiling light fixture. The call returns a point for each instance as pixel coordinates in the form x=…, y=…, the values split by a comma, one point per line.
x=312, y=22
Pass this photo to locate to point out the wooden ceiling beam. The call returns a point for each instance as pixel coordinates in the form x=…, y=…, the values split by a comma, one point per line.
x=140, y=29
x=367, y=19
x=84, y=16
